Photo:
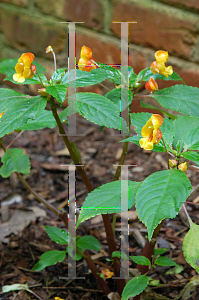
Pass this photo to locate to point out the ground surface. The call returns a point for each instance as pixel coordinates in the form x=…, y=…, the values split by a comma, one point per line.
x=21, y=249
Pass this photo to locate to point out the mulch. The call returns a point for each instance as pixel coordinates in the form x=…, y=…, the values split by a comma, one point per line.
x=100, y=151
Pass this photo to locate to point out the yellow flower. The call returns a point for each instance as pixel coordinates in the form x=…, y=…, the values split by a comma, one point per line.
x=49, y=49
x=151, y=85
x=1, y=115
x=24, y=68
x=86, y=62
x=158, y=66
x=151, y=132
x=107, y=274
x=183, y=167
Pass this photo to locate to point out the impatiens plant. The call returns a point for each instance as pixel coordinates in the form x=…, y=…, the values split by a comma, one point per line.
x=159, y=196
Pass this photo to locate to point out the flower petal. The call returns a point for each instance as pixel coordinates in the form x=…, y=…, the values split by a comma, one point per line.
x=145, y=144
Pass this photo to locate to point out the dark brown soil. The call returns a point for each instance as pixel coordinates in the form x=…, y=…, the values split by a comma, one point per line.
x=100, y=150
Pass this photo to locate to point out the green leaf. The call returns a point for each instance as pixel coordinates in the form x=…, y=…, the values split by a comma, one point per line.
x=181, y=98
x=64, y=115
x=160, y=196
x=99, y=110
x=184, y=131
x=18, y=109
x=34, y=80
x=127, y=75
x=79, y=78
x=49, y=258
x=88, y=242
x=141, y=260
x=132, y=78
x=149, y=74
x=146, y=105
x=121, y=97
x=7, y=66
x=14, y=160
x=191, y=155
x=112, y=73
x=191, y=138
x=9, y=97
x=58, y=92
x=165, y=262
x=175, y=270
x=154, y=282
x=106, y=200
x=43, y=120
x=160, y=251
x=142, y=74
x=190, y=246
x=78, y=256
x=58, y=235
x=119, y=255
x=135, y=287
x=16, y=287
x=58, y=74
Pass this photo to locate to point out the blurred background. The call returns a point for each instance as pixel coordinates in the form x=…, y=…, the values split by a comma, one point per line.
x=170, y=25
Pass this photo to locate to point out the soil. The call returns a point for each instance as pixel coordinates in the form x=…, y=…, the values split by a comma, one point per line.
x=100, y=150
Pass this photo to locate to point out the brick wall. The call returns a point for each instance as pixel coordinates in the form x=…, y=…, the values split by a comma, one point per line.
x=171, y=25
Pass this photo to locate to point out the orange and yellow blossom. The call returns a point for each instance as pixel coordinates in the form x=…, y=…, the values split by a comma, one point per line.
x=107, y=273
x=24, y=68
x=151, y=85
x=1, y=115
x=86, y=62
x=183, y=167
x=151, y=132
x=158, y=66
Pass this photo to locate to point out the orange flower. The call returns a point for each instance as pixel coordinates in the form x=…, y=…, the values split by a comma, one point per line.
x=151, y=132
x=183, y=167
x=86, y=62
x=24, y=68
x=107, y=274
x=86, y=53
x=1, y=115
x=151, y=85
x=158, y=66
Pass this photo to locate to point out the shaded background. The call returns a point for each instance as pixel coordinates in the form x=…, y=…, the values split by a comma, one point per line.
x=171, y=25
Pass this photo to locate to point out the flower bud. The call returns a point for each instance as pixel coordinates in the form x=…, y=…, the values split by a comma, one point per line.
x=183, y=167
x=33, y=70
x=172, y=163
x=49, y=49
x=136, y=84
x=151, y=85
x=86, y=53
x=43, y=92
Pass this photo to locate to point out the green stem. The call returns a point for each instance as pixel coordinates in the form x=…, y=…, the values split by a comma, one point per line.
x=95, y=273
x=148, y=252
x=40, y=79
x=84, y=177
x=166, y=152
x=122, y=160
